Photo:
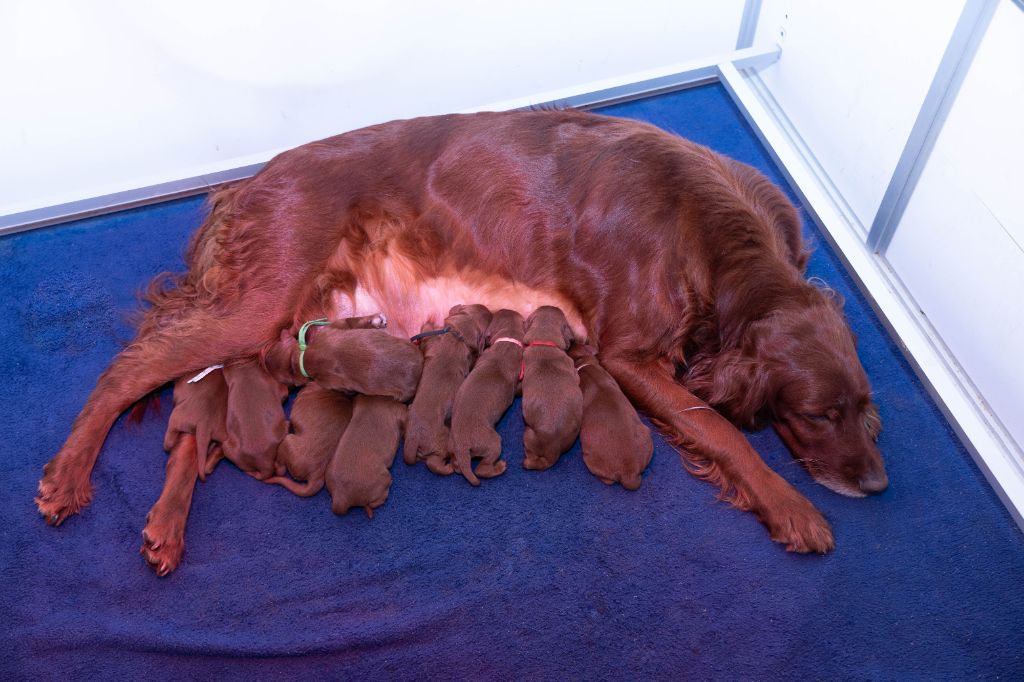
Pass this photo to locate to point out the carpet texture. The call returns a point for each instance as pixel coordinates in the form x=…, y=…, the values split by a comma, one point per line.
x=534, y=575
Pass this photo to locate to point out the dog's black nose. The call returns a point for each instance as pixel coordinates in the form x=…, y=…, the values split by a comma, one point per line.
x=874, y=482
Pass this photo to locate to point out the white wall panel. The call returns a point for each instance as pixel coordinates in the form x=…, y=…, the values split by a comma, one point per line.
x=852, y=78
x=109, y=95
x=959, y=248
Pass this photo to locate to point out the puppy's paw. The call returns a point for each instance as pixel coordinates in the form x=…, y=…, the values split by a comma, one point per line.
x=442, y=466
x=487, y=470
x=62, y=493
x=796, y=524
x=163, y=543
x=378, y=321
x=535, y=463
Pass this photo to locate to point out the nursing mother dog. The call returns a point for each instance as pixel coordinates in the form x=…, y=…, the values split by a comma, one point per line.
x=682, y=267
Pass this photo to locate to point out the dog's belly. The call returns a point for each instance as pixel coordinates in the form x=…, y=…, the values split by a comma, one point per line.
x=409, y=306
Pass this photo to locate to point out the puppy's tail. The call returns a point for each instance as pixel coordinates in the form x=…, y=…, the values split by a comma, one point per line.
x=307, y=489
x=462, y=463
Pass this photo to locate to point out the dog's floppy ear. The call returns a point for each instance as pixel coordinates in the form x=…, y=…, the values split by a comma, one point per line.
x=737, y=384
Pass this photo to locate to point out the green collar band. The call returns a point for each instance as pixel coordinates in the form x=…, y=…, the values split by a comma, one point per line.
x=302, y=340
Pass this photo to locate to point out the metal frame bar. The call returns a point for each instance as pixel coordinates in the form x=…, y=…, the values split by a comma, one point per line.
x=956, y=61
x=119, y=201
x=748, y=23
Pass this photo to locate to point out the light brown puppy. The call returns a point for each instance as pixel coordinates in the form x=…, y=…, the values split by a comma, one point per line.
x=349, y=355
x=318, y=420
x=484, y=397
x=616, y=444
x=195, y=431
x=447, y=360
x=552, y=401
x=357, y=475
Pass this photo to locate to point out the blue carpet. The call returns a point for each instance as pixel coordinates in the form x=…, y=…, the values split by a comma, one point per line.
x=548, y=575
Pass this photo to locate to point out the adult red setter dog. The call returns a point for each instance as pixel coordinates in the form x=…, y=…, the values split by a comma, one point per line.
x=683, y=267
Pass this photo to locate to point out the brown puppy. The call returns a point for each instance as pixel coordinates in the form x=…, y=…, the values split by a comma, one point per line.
x=616, y=444
x=256, y=423
x=448, y=357
x=357, y=475
x=318, y=420
x=349, y=355
x=552, y=401
x=195, y=431
x=485, y=396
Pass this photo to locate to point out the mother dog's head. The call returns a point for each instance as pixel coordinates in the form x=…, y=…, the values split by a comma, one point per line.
x=798, y=368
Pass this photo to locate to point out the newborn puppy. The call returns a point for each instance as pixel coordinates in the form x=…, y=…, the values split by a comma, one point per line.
x=195, y=431
x=318, y=420
x=256, y=423
x=448, y=357
x=201, y=409
x=616, y=444
x=357, y=475
x=552, y=401
x=349, y=355
x=484, y=397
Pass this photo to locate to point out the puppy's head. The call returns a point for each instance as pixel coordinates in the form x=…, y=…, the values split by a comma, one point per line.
x=505, y=323
x=581, y=353
x=470, y=321
x=281, y=360
x=548, y=323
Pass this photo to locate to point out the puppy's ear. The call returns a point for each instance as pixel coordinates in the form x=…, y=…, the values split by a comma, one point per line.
x=483, y=318
x=277, y=358
x=567, y=334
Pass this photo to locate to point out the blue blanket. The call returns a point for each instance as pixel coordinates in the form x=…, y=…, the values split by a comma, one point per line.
x=534, y=575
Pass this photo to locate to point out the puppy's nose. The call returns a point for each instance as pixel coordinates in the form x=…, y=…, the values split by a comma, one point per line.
x=874, y=482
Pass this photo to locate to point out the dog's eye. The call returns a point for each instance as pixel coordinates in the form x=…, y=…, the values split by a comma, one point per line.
x=829, y=416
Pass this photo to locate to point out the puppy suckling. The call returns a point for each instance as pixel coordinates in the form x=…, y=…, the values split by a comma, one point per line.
x=484, y=397
x=349, y=355
x=196, y=430
x=358, y=473
x=447, y=360
x=318, y=420
x=552, y=400
x=616, y=445
x=256, y=423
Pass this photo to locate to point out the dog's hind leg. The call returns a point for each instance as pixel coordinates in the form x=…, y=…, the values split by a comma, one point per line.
x=190, y=340
x=163, y=538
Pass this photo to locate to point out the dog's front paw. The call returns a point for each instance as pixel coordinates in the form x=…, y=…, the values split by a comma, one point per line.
x=796, y=524
x=163, y=543
x=62, y=493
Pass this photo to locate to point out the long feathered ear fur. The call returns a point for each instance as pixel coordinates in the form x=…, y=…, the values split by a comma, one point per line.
x=738, y=385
